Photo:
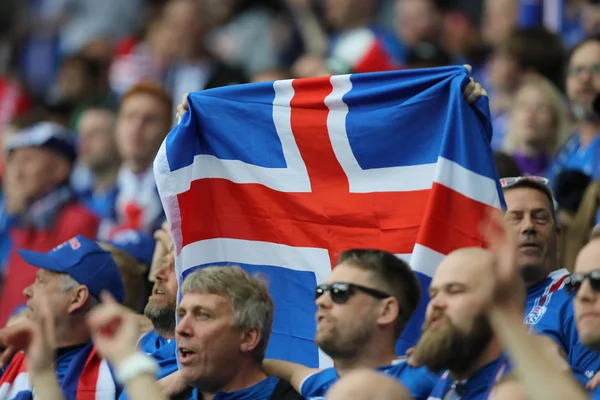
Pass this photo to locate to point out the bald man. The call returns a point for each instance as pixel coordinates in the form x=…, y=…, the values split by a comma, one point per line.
x=457, y=339
x=367, y=385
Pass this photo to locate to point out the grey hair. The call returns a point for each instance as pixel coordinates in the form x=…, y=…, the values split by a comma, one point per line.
x=251, y=303
x=68, y=283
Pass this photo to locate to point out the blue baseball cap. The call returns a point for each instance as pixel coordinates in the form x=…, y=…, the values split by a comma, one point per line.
x=137, y=244
x=85, y=261
x=48, y=135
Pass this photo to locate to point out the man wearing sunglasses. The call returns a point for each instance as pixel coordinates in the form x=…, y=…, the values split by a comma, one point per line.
x=531, y=218
x=584, y=286
x=362, y=309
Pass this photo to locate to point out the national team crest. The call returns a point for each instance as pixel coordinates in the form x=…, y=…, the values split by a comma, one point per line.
x=535, y=315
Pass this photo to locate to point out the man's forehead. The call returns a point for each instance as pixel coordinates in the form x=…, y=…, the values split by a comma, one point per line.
x=347, y=272
x=204, y=300
x=589, y=258
x=525, y=198
x=468, y=267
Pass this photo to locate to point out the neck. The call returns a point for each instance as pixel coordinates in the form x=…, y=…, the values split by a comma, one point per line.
x=371, y=356
x=532, y=149
x=492, y=352
x=588, y=131
x=165, y=333
x=138, y=167
x=246, y=376
x=72, y=334
x=105, y=178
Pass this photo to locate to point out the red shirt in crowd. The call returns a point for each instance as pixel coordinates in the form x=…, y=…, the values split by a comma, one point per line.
x=74, y=219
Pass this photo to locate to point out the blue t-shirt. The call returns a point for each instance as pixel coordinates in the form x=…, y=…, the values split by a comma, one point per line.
x=418, y=381
x=595, y=394
x=164, y=351
x=478, y=387
x=575, y=157
x=550, y=312
x=263, y=390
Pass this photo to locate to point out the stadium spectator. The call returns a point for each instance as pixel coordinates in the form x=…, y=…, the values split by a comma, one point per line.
x=531, y=217
x=68, y=283
x=143, y=121
x=225, y=319
x=37, y=193
x=581, y=152
x=363, y=306
x=367, y=385
x=538, y=125
x=457, y=340
x=99, y=159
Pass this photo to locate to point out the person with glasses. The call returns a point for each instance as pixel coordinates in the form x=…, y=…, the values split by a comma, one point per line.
x=362, y=308
x=457, y=339
x=582, y=151
x=584, y=286
x=530, y=217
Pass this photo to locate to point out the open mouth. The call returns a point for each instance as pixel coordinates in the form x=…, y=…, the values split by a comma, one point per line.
x=185, y=354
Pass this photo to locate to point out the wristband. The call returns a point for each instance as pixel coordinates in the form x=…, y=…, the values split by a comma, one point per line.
x=133, y=366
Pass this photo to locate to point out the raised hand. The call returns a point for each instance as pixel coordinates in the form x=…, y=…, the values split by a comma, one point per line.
x=183, y=107
x=473, y=90
x=115, y=330
x=509, y=288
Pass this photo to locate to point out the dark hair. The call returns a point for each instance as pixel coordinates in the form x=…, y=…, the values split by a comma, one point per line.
x=393, y=275
x=92, y=68
x=530, y=184
x=506, y=165
x=539, y=50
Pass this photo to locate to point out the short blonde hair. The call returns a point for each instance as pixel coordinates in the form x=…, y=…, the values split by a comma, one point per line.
x=562, y=126
x=251, y=303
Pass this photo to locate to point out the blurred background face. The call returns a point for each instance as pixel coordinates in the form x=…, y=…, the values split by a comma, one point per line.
x=342, y=328
x=499, y=19
x=530, y=216
x=505, y=73
x=346, y=14
x=182, y=19
x=97, y=147
x=142, y=124
x=587, y=301
x=74, y=81
x=456, y=330
x=533, y=118
x=35, y=171
x=583, y=81
x=207, y=342
x=416, y=20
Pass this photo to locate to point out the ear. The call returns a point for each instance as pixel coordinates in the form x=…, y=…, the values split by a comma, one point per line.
x=389, y=311
x=250, y=340
x=79, y=298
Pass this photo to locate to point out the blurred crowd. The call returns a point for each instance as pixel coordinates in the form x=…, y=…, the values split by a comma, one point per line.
x=89, y=90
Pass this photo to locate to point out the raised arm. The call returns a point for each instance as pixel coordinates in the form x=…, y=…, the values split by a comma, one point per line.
x=288, y=371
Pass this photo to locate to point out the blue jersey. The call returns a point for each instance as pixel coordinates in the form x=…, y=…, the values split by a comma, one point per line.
x=263, y=390
x=595, y=394
x=574, y=156
x=550, y=312
x=477, y=387
x=164, y=351
x=418, y=381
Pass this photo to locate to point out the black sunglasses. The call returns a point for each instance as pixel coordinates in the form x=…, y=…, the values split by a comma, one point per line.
x=574, y=281
x=341, y=292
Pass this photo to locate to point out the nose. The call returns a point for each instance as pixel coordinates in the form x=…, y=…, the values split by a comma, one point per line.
x=160, y=273
x=324, y=300
x=527, y=227
x=28, y=292
x=183, y=328
x=438, y=302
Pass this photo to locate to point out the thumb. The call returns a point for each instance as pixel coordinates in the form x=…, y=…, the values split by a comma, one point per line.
x=469, y=68
x=107, y=298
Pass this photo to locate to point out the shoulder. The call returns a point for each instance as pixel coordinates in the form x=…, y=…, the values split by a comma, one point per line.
x=319, y=382
x=284, y=391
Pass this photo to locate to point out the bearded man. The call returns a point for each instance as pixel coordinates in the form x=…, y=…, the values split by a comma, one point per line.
x=457, y=339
